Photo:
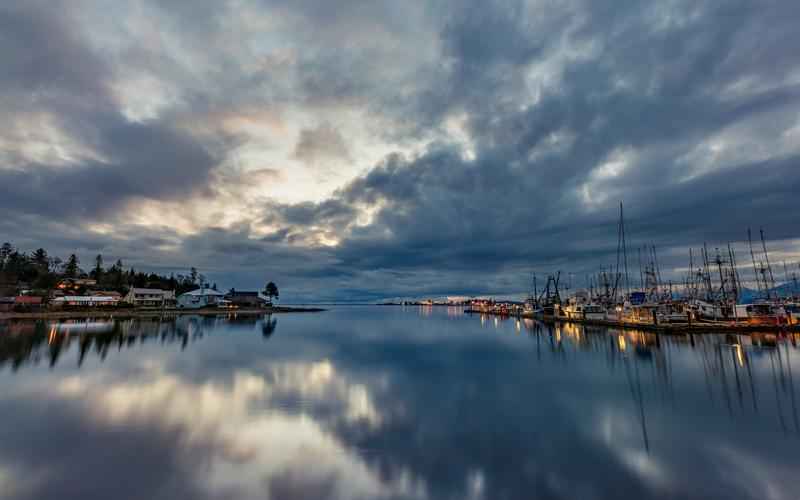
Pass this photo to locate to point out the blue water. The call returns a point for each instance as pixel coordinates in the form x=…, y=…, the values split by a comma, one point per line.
x=396, y=403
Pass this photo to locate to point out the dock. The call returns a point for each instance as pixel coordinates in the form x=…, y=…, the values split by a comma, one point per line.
x=676, y=328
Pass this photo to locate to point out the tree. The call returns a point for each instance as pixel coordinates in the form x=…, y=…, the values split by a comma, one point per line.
x=41, y=259
x=5, y=251
x=71, y=269
x=97, y=272
x=55, y=264
x=193, y=275
x=271, y=290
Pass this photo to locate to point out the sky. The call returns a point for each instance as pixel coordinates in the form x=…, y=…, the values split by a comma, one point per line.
x=358, y=150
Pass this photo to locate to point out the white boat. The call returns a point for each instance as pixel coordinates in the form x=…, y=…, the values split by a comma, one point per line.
x=594, y=312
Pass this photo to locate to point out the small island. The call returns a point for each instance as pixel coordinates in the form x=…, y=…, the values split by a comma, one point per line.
x=37, y=286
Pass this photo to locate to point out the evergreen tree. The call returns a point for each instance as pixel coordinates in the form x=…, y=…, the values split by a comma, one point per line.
x=97, y=272
x=271, y=290
x=41, y=260
x=5, y=251
x=71, y=269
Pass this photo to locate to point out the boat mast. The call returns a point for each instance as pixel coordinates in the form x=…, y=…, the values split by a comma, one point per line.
x=689, y=275
x=753, y=256
x=624, y=249
x=766, y=257
x=641, y=274
x=657, y=270
x=737, y=285
x=722, y=280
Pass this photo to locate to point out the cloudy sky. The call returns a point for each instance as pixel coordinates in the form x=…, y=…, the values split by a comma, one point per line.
x=355, y=150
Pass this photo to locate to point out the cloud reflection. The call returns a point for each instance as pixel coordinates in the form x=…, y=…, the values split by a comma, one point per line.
x=255, y=444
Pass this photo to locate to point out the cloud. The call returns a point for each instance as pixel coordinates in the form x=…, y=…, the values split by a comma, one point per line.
x=321, y=143
x=461, y=144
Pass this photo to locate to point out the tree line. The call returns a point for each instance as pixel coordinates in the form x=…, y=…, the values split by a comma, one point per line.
x=42, y=272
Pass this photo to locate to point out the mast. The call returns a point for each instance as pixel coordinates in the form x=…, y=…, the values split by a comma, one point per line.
x=691, y=271
x=624, y=249
x=657, y=269
x=753, y=256
x=641, y=274
x=721, y=276
x=766, y=257
x=737, y=285
x=707, y=274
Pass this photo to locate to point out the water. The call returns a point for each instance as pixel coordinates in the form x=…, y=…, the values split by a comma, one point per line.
x=386, y=402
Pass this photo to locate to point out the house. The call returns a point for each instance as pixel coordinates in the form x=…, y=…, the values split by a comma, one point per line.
x=28, y=303
x=6, y=304
x=8, y=284
x=67, y=284
x=150, y=297
x=246, y=299
x=202, y=297
x=85, y=301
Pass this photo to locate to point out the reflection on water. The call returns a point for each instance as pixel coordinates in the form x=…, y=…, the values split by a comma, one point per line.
x=392, y=402
x=32, y=341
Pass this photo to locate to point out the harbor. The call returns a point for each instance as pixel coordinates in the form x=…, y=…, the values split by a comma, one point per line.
x=715, y=293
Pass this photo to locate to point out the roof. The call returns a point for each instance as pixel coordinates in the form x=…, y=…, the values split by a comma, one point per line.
x=150, y=291
x=27, y=299
x=86, y=298
x=204, y=291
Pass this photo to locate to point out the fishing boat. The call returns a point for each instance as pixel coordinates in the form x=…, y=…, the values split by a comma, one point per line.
x=764, y=313
x=792, y=310
x=594, y=312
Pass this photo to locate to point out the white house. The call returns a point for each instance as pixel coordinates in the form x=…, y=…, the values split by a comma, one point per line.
x=150, y=297
x=86, y=301
x=202, y=297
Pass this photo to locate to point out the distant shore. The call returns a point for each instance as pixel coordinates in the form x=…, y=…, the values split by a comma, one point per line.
x=154, y=313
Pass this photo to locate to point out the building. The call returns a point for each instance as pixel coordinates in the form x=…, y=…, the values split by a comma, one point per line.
x=200, y=298
x=8, y=284
x=28, y=303
x=85, y=301
x=150, y=297
x=246, y=299
x=6, y=304
x=106, y=293
x=68, y=284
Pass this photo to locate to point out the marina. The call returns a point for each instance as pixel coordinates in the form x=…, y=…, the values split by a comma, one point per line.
x=711, y=295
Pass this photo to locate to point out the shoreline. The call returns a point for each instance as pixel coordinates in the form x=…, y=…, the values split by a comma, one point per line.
x=154, y=313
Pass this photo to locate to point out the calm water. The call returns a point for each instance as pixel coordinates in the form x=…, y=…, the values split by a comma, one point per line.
x=386, y=402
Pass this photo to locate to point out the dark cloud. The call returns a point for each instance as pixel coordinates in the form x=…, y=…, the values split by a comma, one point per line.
x=59, y=75
x=321, y=143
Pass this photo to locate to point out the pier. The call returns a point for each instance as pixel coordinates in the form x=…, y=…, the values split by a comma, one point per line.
x=677, y=328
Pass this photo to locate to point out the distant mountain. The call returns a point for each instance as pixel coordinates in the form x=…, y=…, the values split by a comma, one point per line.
x=749, y=295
